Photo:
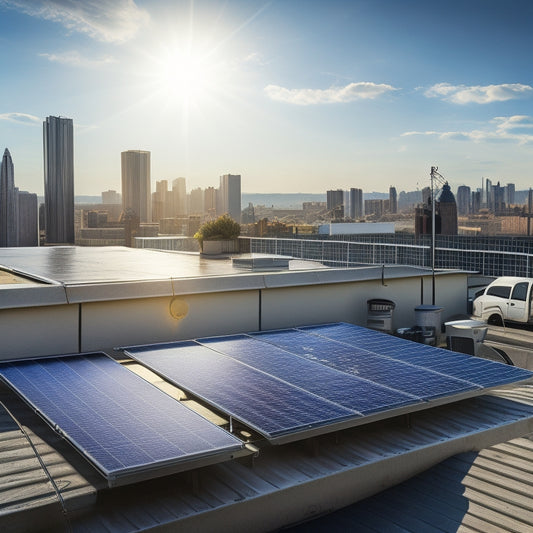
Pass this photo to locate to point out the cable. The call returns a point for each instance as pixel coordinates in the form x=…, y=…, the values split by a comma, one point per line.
x=43, y=466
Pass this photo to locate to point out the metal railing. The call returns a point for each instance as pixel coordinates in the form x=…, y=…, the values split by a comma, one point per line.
x=489, y=257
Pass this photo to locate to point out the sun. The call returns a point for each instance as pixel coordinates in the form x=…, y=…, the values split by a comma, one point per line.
x=184, y=76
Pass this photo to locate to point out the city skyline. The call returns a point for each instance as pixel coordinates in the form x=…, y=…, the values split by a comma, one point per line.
x=294, y=96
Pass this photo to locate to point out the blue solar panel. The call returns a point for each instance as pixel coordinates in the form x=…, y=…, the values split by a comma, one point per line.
x=284, y=382
x=310, y=376
x=416, y=381
x=269, y=405
x=482, y=372
x=119, y=421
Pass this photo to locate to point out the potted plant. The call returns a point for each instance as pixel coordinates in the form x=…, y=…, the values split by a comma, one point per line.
x=219, y=236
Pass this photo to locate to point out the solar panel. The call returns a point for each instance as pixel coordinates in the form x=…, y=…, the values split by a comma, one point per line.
x=482, y=372
x=417, y=381
x=323, y=381
x=294, y=383
x=269, y=405
x=125, y=426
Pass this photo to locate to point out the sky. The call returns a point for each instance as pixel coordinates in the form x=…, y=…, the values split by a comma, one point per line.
x=296, y=96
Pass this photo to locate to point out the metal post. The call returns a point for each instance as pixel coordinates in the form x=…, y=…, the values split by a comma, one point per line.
x=433, y=170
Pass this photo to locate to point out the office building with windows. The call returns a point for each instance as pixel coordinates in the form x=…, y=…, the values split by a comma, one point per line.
x=136, y=189
x=229, y=196
x=8, y=203
x=58, y=148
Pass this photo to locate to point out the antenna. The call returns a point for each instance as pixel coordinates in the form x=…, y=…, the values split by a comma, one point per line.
x=439, y=179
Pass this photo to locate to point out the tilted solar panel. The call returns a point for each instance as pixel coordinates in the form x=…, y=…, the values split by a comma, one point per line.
x=482, y=372
x=323, y=381
x=124, y=425
x=269, y=405
x=417, y=381
x=294, y=383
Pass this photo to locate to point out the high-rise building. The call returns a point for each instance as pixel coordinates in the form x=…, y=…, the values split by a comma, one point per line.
x=58, y=144
x=448, y=211
x=393, y=200
x=196, y=201
x=463, y=200
x=136, y=191
x=335, y=203
x=179, y=193
x=159, y=198
x=509, y=194
x=28, y=222
x=8, y=202
x=229, y=197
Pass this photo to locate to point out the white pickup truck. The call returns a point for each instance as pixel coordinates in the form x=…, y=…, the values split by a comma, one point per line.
x=505, y=299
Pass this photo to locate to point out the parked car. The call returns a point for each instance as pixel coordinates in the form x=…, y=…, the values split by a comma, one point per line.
x=505, y=299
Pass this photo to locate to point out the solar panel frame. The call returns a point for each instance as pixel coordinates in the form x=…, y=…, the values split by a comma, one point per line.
x=465, y=391
x=216, y=392
x=22, y=376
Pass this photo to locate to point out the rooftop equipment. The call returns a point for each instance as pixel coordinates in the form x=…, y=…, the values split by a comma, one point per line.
x=379, y=314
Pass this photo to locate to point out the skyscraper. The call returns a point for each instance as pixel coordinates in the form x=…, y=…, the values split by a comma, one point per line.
x=463, y=200
x=28, y=223
x=230, y=196
x=58, y=145
x=393, y=200
x=136, y=191
x=8, y=202
x=179, y=194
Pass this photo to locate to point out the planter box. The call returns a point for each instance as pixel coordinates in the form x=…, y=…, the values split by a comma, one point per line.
x=221, y=247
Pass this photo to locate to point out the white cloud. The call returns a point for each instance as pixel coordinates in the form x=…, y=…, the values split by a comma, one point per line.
x=23, y=118
x=74, y=58
x=115, y=21
x=462, y=94
x=349, y=93
x=508, y=129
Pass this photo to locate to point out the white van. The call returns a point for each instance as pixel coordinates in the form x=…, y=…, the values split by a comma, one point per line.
x=505, y=299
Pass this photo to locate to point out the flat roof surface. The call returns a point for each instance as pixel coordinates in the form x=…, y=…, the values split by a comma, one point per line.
x=71, y=265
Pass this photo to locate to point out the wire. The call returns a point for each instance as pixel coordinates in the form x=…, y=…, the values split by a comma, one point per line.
x=43, y=466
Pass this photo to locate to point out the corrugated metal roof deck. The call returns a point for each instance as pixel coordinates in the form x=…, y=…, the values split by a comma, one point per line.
x=489, y=491
x=302, y=480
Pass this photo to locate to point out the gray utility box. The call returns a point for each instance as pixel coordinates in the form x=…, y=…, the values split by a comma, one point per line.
x=379, y=314
x=465, y=336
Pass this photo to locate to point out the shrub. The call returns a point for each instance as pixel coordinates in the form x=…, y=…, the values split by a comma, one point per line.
x=221, y=229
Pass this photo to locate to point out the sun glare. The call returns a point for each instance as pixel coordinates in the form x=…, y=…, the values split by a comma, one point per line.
x=183, y=77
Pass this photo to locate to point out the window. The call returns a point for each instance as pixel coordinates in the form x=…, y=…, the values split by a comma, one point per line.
x=520, y=291
x=499, y=291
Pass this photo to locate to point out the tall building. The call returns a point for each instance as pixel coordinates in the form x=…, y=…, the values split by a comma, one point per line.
x=196, y=201
x=8, y=202
x=230, y=196
x=335, y=203
x=463, y=200
x=179, y=194
x=28, y=222
x=509, y=194
x=58, y=145
x=448, y=211
x=393, y=200
x=136, y=191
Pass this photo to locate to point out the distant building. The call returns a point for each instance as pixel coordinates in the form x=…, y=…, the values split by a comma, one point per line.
x=28, y=219
x=58, y=143
x=353, y=203
x=229, y=196
x=335, y=204
x=136, y=188
x=393, y=200
x=111, y=197
x=179, y=194
x=374, y=207
x=476, y=202
x=196, y=202
x=8, y=202
x=509, y=194
x=159, y=198
x=448, y=211
x=463, y=200
x=210, y=202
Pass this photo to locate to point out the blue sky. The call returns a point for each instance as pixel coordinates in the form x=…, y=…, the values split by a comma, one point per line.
x=296, y=96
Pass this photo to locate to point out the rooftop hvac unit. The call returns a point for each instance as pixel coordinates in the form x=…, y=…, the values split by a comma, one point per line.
x=379, y=314
x=465, y=336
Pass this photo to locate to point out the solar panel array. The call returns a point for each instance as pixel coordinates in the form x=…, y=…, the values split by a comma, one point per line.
x=291, y=381
x=119, y=421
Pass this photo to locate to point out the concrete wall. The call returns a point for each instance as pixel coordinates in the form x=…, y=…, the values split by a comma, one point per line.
x=94, y=326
